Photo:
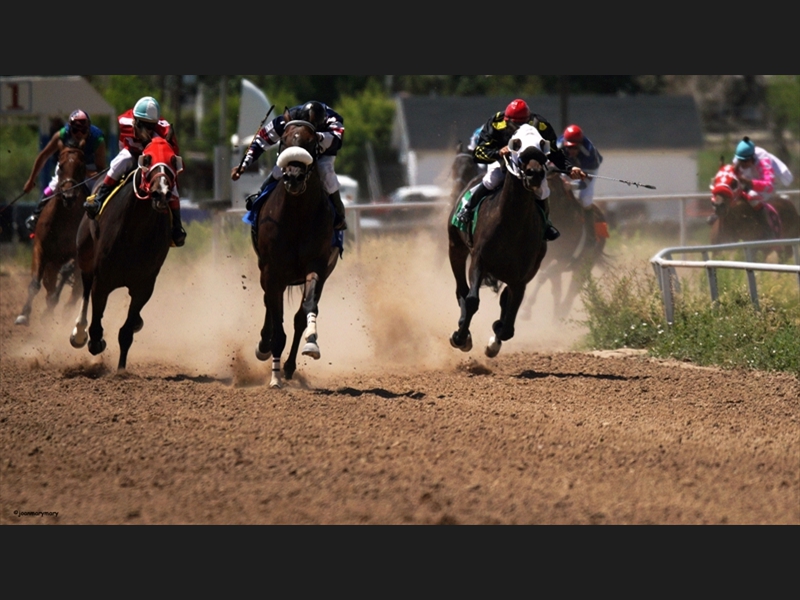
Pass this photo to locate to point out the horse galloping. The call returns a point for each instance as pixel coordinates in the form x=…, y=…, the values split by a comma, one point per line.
x=737, y=219
x=54, y=246
x=506, y=243
x=572, y=253
x=126, y=246
x=294, y=242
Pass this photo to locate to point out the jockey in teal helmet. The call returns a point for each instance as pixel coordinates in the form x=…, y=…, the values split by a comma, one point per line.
x=137, y=126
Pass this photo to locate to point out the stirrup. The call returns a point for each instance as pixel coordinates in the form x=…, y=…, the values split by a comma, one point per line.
x=30, y=223
x=464, y=216
x=91, y=208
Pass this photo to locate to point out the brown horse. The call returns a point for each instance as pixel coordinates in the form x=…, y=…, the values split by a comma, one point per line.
x=506, y=244
x=54, y=238
x=737, y=219
x=125, y=246
x=572, y=253
x=294, y=242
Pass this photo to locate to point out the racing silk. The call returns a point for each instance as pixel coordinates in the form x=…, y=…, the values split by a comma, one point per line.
x=127, y=138
x=269, y=135
x=589, y=157
x=496, y=134
x=93, y=141
x=765, y=170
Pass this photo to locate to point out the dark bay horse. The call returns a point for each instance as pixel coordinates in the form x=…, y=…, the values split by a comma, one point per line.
x=125, y=246
x=506, y=244
x=737, y=220
x=572, y=253
x=54, y=246
x=294, y=244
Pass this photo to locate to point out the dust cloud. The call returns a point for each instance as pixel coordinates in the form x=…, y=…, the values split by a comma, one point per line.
x=389, y=305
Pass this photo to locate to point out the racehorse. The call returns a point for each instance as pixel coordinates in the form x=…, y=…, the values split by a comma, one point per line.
x=293, y=242
x=54, y=238
x=737, y=219
x=572, y=253
x=126, y=245
x=506, y=243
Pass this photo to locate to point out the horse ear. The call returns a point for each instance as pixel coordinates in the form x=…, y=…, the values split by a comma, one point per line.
x=286, y=116
x=177, y=163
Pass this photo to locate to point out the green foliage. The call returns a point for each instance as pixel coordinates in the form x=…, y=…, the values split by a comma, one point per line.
x=19, y=146
x=368, y=118
x=783, y=96
x=624, y=309
x=122, y=91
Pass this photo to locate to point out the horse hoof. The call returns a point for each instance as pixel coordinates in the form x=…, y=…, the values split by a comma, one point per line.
x=311, y=350
x=493, y=348
x=263, y=355
x=275, y=383
x=21, y=320
x=78, y=341
x=465, y=347
x=97, y=348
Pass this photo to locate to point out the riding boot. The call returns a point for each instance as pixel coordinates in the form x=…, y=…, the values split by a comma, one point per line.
x=339, y=223
x=477, y=194
x=95, y=201
x=711, y=218
x=178, y=232
x=30, y=222
x=550, y=232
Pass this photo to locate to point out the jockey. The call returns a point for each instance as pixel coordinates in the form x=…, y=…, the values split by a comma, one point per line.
x=580, y=150
x=330, y=130
x=78, y=128
x=492, y=146
x=473, y=143
x=756, y=169
x=137, y=126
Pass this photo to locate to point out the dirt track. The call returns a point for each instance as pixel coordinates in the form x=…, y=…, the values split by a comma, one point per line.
x=391, y=426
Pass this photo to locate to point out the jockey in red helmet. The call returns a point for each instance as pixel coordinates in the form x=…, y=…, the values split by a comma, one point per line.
x=493, y=146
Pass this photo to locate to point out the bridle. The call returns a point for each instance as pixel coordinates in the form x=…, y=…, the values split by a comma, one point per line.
x=295, y=160
x=68, y=187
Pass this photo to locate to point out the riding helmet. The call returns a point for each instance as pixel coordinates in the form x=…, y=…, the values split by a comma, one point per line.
x=314, y=112
x=573, y=136
x=746, y=149
x=79, y=120
x=147, y=109
x=518, y=111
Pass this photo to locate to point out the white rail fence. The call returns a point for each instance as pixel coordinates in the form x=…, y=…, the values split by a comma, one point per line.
x=665, y=268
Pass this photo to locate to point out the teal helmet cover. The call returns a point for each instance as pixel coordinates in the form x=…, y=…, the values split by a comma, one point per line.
x=745, y=149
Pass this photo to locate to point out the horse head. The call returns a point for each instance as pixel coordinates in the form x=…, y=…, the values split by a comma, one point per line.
x=71, y=172
x=527, y=159
x=159, y=167
x=299, y=148
x=725, y=190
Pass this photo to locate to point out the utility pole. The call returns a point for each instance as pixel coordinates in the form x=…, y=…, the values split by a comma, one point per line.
x=563, y=92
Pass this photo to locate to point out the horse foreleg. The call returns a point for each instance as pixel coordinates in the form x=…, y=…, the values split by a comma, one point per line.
x=79, y=338
x=50, y=283
x=311, y=308
x=503, y=328
x=462, y=338
x=33, y=288
x=99, y=300
x=134, y=322
x=527, y=308
x=273, y=337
